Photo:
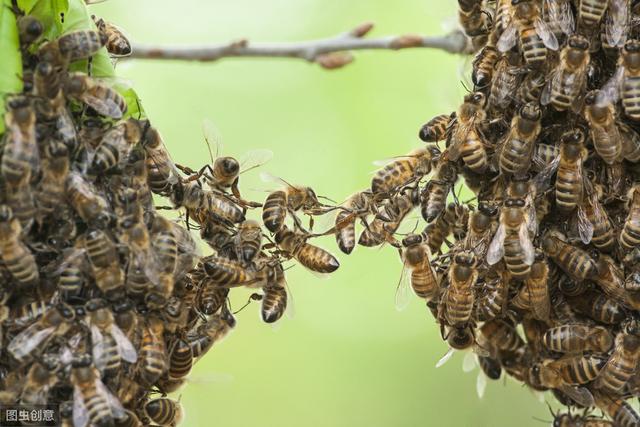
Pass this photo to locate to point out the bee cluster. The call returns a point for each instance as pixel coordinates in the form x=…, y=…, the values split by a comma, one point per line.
x=539, y=274
x=105, y=304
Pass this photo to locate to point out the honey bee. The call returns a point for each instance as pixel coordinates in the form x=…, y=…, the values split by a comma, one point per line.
x=481, y=229
x=290, y=200
x=467, y=140
x=214, y=330
x=517, y=149
x=116, y=145
x=110, y=345
x=40, y=378
x=599, y=307
x=603, y=232
x=163, y=411
x=92, y=401
x=358, y=205
x=621, y=412
x=416, y=256
x=512, y=240
x=537, y=288
x=491, y=303
x=248, y=241
x=71, y=47
x=569, y=420
x=610, y=279
x=625, y=83
x=103, y=99
x=630, y=233
x=533, y=33
x=530, y=90
x=630, y=143
x=568, y=80
x=29, y=29
x=483, y=68
x=226, y=272
x=312, y=257
x=458, y=298
x=116, y=43
x=559, y=16
x=472, y=19
x=130, y=420
x=105, y=264
x=206, y=206
x=590, y=12
x=152, y=352
x=600, y=113
x=578, y=338
x=162, y=174
x=54, y=322
x=506, y=78
x=569, y=181
x=622, y=363
x=180, y=360
x=55, y=169
x=86, y=201
x=499, y=336
x=433, y=197
x=436, y=129
x=576, y=370
x=572, y=260
x=403, y=170
x=545, y=376
x=211, y=296
x=16, y=255
x=274, y=303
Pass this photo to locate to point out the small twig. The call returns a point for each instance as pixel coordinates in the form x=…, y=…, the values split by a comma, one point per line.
x=329, y=53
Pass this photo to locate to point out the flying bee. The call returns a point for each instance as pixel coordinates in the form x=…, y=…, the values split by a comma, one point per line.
x=110, y=345
x=290, y=200
x=55, y=169
x=433, y=197
x=16, y=255
x=459, y=296
x=600, y=113
x=103, y=99
x=248, y=241
x=622, y=363
x=578, y=339
x=92, y=401
x=545, y=376
x=416, y=256
x=480, y=229
x=403, y=170
x=103, y=257
x=533, y=33
x=86, y=201
x=164, y=411
x=71, y=47
x=630, y=233
x=568, y=80
x=512, y=240
x=517, y=149
x=152, y=360
x=436, y=129
x=227, y=273
x=211, y=332
x=577, y=263
x=472, y=19
x=569, y=181
x=358, y=205
x=54, y=322
x=116, y=43
x=312, y=257
x=467, y=140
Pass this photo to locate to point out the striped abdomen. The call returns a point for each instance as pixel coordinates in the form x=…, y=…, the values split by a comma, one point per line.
x=459, y=304
x=534, y=50
x=274, y=303
x=152, y=357
x=514, y=258
x=630, y=234
x=607, y=143
x=565, y=91
x=393, y=175
x=211, y=297
x=631, y=97
x=345, y=231
x=20, y=262
x=180, y=360
x=166, y=251
x=473, y=153
x=424, y=282
x=515, y=156
x=22, y=202
x=575, y=262
x=568, y=188
x=274, y=211
x=97, y=406
x=581, y=369
x=592, y=11
x=433, y=199
x=316, y=259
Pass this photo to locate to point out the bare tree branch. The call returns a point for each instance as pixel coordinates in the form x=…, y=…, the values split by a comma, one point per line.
x=329, y=53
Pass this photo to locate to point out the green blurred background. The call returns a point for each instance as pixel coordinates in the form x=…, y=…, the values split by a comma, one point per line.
x=347, y=357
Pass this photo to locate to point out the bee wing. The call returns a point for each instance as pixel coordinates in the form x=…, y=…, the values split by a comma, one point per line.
x=80, y=413
x=580, y=395
x=545, y=33
x=106, y=107
x=611, y=89
x=267, y=177
x=560, y=11
x=469, y=362
x=507, y=39
x=26, y=341
x=617, y=22
x=254, y=159
x=99, y=348
x=525, y=241
x=126, y=350
x=290, y=311
x=496, y=248
x=532, y=219
x=403, y=293
x=116, y=407
x=481, y=384
x=444, y=359
x=585, y=228
x=213, y=138
x=543, y=178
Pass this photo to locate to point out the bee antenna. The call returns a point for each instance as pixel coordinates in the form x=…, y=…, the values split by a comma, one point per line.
x=541, y=420
x=327, y=198
x=247, y=303
x=464, y=85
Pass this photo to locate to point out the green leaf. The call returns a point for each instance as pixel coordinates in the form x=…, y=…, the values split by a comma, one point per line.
x=11, y=69
x=27, y=5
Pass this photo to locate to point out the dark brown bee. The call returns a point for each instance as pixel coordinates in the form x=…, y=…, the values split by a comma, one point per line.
x=164, y=411
x=312, y=257
x=572, y=260
x=103, y=99
x=569, y=181
x=180, y=360
x=152, y=356
x=225, y=272
x=517, y=149
x=599, y=308
x=483, y=67
x=600, y=112
x=117, y=43
x=621, y=412
x=248, y=241
x=29, y=29
x=578, y=338
x=630, y=233
x=436, y=129
x=211, y=296
x=472, y=19
x=72, y=47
